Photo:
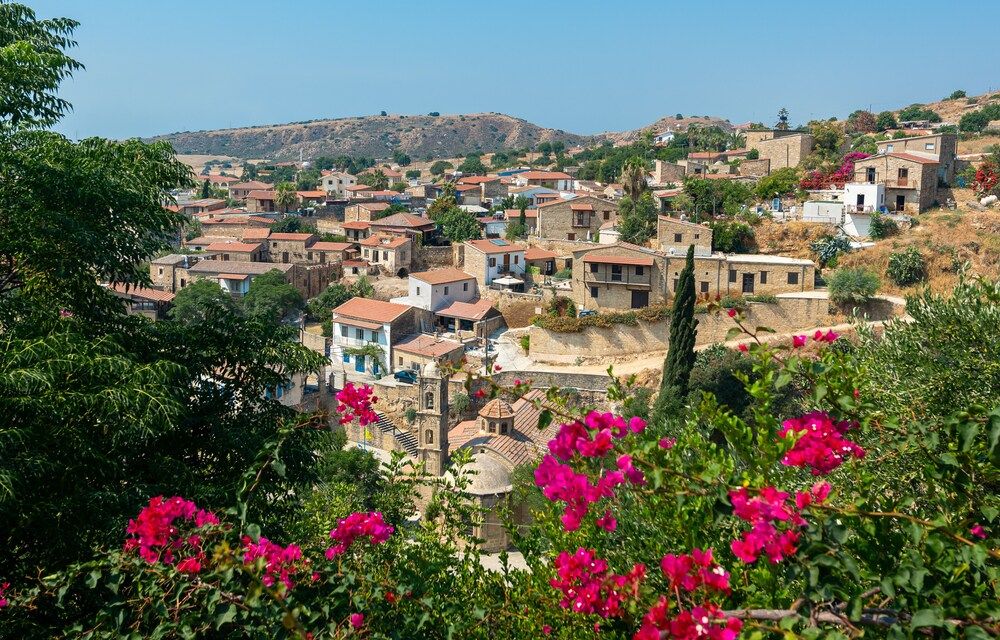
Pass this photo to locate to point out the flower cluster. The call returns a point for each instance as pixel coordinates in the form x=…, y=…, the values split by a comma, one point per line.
x=765, y=512
x=280, y=563
x=588, y=587
x=356, y=402
x=695, y=570
x=594, y=437
x=821, y=444
x=156, y=533
x=355, y=526
x=703, y=621
x=3, y=594
x=560, y=482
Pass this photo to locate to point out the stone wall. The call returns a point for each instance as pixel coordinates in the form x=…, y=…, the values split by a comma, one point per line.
x=788, y=314
x=755, y=168
x=559, y=221
x=429, y=257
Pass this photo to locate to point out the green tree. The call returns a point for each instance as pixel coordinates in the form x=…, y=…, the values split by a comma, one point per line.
x=886, y=120
x=472, y=165
x=412, y=174
x=780, y=182
x=376, y=179
x=285, y=198
x=906, y=267
x=782, y=124
x=206, y=189
x=439, y=167
x=292, y=224
x=680, y=354
x=318, y=309
x=633, y=177
x=955, y=95
x=862, y=121
x=200, y=300
x=852, y=285
x=637, y=218
x=459, y=225
x=271, y=297
x=400, y=158
x=516, y=231
x=362, y=288
x=753, y=154
x=732, y=236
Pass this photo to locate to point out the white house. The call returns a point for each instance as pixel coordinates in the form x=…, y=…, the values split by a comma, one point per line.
x=494, y=259
x=360, y=322
x=552, y=179
x=335, y=182
x=665, y=138
x=438, y=288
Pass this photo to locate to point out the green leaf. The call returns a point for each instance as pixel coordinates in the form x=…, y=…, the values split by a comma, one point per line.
x=279, y=467
x=253, y=531
x=967, y=435
x=93, y=577
x=765, y=330
x=990, y=513
x=228, y=615
x=927, y=618
x=544, y=419
x=788, y=622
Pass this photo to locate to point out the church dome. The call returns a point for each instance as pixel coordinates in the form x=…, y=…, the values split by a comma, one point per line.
x=488, y=476
x=497, y=409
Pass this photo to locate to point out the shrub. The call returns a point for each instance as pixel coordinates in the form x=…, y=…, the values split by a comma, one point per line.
x=563, y=274
x=828, y=248
x=561, y=306
x=410, y=414
x=906, y=267
x=525, y=342
x=460, y=402
x=853, y=285
x=882, y=227
x=955, y=95
x=753, y=154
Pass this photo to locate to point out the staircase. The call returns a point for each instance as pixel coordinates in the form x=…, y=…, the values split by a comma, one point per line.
x=406, y=440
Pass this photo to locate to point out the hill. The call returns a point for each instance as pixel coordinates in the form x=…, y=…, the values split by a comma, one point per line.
x=373, y=136
x=668, y=122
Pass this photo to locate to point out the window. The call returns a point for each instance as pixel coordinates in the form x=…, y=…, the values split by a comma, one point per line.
x=697, y=236
x=309, y=255
x=793, y=278
x=888, y=148
x=607, y=215
x=418, y=291
x=517, y=259
x=446, y=291
x=160, y=271
x=703, y=286
x=677, y=283
x=400, y=360
x=347, y=358
x=732, y=275
x=493, y=262
x=639, y=270
x=465, y=286
x=593, y=267
x=594, y=291
x=374, y=337
x=616, y=272
x=678, y=237
x=359, y=334
x=763, y=277
x=429, y=436
x=491, y=427
x=929, y=146
x=571, y=236
x=428, y=400
x=385, y=256
x=343, y=330
x=903, y=173
x=503, y=428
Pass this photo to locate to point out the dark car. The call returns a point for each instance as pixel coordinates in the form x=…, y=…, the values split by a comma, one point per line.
x=587, y=312
x=406, y=375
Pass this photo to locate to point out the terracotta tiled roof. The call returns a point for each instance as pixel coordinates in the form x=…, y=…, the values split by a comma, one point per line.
x=330, y=246
x=371, y=310
x=514, y=214
x=537, y=253
x=357, y=224
x=466, y=187
x=235, y=247
x=383, y=241
x=358, y=187
x=494, y=246
x=473, y=311
x=442, y=276
x=403, y=220
x=497, y=408
x=291, y=236
x=233, y=276
x=261, y=194
x=373, y=206
x=213, y=267
x=251, y=185
x=577, y=201
x=477, y=179
x=632, y=260
x=581, y=206
x=219, y=179
x=206, y=240
x=134, y=291
x=311, y=194
x=428, y=345
x=256, y=234
x=909, y=156
x=525, y=441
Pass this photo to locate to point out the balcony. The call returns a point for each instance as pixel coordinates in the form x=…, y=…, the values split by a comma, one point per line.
x=625, y=277
x=901, y=183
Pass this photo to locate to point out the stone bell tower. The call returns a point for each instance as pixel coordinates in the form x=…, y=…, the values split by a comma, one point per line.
x=432, y=420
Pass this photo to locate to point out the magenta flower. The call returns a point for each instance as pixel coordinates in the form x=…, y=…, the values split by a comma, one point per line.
x=3, y=594
x=588, y=587
x=667, y=443
x=156, y=534
x=821, y=444
x=358, y=525
x=978, y=531
x=799, y=341
x=356, y=402
x=280, y=563
x=357, y=620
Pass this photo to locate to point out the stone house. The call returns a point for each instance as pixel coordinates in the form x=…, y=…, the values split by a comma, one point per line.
x=201, y=243
x=357, y=231
x=237, y=251
x=576, y=219
x=667, y=173
x=781, y=148
x=321, y=252
x=674, y=235
x=235, y=277
x=489, y=260
x=405, y=224
x=261, y=201
x=468, y=194
x=479, y=318
x=754, y=274
x=364, y=211
x=201, y=206
x=360, y=322
x=392, y=253
x=550, y=179
x=911, y=181
x=421, y=349
x=942, y=147
x=755, y=168
x=532, y=194
x=241, y=190
x=152, y=303
x=235, y=226
x=169, y=273
x=290, y=247
x=490, y=187
x=540, y=260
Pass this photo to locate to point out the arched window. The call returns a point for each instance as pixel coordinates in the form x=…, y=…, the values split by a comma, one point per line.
x=503, y=427
x=492, y=427
x=429, y=436
x=428, y=400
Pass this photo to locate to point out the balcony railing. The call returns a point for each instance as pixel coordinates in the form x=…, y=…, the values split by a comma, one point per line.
x=607, y=277
x=901, y=183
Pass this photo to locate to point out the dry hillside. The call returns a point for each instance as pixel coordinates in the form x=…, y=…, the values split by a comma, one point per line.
x=373, y=136
x=668, y=122
x=952, y=110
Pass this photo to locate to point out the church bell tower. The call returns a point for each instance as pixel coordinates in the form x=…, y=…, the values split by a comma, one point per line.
x=432, y=420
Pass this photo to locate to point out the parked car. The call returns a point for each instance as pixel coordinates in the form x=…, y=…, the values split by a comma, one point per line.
x=407, y=376
x=587, y=312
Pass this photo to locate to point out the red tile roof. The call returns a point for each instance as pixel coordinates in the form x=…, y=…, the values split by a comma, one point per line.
x=514, y=214
x=383, y=241
x=467, y=187
x=428, y=346
x=442, y=276
x=256, y=233
x=261, y=194
x=477, y=179
x=491, y=246
x=606, y=259
x=291, y=236
x=373, y=206
x=357, y=224
x=358, y=187
x=910, y=157
x=371, y=310
x=537, y=253
x=311, y=194
x=473, y=311
x=544, y=175
x=251, y=185
x=135, y=291
x=235, y=247
x=330, y=246
x=403, y=220
x=233, y=276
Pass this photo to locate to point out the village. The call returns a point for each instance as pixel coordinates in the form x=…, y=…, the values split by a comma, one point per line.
x=536, y=274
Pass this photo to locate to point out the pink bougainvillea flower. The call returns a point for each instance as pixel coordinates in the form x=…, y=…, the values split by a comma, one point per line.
x=480, y=393
x=356, y=402
x=546, y=629
x=743, y=347
x=607, y=522
x=706, y=622
x=799, y=341
x=631, y=474
x=357, y=620
x=588, y=587
x=497, y=367
x=190, y=565
x=774, y=519
x=156, y=533
x=3, y=594
x=280, y=563
x=821, y=445
x=357, y=525
x=667, y=443
x=731, y=312
x=978, y=531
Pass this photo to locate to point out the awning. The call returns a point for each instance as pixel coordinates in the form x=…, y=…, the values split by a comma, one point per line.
x=233, y=276
x=362, y=324
x=508, y=281
x=605, y=259
x=581, y=206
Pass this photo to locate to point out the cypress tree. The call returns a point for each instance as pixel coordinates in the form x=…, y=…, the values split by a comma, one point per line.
x=680, y=356
x=206, y=191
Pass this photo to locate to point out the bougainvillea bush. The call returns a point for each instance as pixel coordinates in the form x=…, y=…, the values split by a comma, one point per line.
x=838, y=520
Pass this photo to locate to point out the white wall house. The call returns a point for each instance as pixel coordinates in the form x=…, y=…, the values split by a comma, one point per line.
x=439, y=288
x=863, y=197
x=334, y=183
x=359, y=322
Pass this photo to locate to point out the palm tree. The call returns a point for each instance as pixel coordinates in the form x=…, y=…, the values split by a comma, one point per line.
x=736, y=140
x=377, y=179
x=285, y=197
x=633, y=177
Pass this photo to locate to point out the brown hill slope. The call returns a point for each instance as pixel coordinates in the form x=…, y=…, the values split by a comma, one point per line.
x=373, y=136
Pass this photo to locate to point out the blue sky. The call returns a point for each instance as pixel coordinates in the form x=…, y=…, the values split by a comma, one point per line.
x=155, y=66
